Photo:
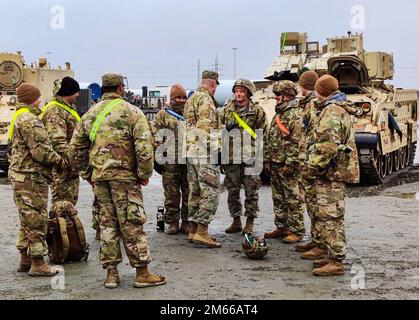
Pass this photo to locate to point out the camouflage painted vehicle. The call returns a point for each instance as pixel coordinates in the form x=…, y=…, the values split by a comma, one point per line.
x=13, y=72
x=386, y=129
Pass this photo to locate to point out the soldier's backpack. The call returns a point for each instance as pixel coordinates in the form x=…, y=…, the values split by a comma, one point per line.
x=66, y=238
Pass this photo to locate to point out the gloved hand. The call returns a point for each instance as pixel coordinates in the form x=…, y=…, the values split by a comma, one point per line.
x=289, y=171
x=144, y=183
x=158, y=168
x=267, y=168
x=62, y=166
x=74, y=174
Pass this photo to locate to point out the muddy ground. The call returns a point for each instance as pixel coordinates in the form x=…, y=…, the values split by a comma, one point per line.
x=383, y=241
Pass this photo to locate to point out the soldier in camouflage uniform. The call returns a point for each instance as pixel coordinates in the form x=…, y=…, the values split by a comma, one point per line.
x=175, y=177
x=282, y=157
x=333, y=161
x=202, y=139
x=31, y=157
x=60, y=118
x=114, y=141
x=309, y=108
x=255, y=117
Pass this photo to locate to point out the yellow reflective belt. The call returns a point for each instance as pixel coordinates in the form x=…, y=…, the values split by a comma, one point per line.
x=54, y=102
x=14, y=118
x=244, y=125
x=102, y=116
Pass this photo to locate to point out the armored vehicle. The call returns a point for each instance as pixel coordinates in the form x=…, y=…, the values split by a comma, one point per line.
x=386, y=129
x=13, y=72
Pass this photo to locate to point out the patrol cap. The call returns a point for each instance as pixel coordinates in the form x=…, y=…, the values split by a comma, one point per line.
x=210, y=75
x=112, y=80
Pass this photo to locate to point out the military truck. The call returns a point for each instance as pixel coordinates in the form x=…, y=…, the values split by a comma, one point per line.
x=13, y=72
x=386, y=129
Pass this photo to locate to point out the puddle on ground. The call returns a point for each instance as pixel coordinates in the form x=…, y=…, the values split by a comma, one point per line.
x=410, y=196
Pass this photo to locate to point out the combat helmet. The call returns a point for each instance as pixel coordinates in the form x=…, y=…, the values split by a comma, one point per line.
x=249, y=85
x=254, y=247
x=286, y=87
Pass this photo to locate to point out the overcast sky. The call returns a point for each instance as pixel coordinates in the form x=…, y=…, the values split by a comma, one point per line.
x=159, y=42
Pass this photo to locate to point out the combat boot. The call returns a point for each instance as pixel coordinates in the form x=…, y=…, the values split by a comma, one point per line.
x=146, y=279
x=314, y=254
x=293, y=238
x=278, y=234
x=173, y=228
x=184, y=227
x=192, y=230
x=320, y=263
x=97, y=237
x=25, y=262
x=39, y=268
x=333, y=268
x=236, y=226
x=112, y=278
x=202, y=237
x=249, y=226
x=301, y=248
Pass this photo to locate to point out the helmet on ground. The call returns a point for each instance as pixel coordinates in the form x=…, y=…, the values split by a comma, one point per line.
x=249, y=85
x=286, y=87
x=254, y=247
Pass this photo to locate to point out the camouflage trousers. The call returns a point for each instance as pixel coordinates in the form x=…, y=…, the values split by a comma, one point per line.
x=176, y=189
x=95, y=214
x=330, y=220
x=312, y=206
x=30, y=192
x=288, y=201
x=64, y=188
x=204, y=192
x=122, y=215
x=234, y=180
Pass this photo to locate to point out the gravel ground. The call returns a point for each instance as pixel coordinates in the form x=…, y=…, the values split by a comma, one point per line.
x=383, y=241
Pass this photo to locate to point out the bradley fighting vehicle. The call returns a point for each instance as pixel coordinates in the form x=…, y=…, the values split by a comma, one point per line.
x=13, y=72
x=386, y=127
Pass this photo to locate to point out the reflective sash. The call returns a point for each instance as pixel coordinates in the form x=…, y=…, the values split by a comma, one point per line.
x=174, y=114
x=14, y=118
x=54, y=102
x=244, y=125
x=101, y=117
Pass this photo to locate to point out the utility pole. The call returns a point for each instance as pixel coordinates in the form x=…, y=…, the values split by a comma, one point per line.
x=235, y=63
x=216, y=62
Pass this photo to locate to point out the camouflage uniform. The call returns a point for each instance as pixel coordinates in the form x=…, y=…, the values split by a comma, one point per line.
x=201, y=117
x=256, y=118
x=175, y=176
x=31, y=155
x=328, y=165
x=284, y=153
x=120, y=156
x=60, y=125
x=309, y=107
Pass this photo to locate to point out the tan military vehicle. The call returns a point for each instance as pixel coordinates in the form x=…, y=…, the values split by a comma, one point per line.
x=386, y=128
x=13, y=72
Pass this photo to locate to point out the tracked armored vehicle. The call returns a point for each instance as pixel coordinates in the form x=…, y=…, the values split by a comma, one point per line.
x=386, y=129
x=13, y=72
